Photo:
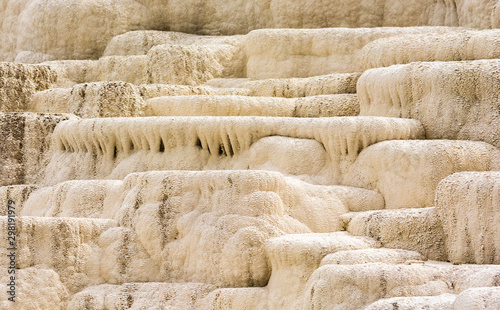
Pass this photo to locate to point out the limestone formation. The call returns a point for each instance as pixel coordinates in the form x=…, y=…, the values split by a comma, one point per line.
x=25, y=146
x=409, y=229
x=18, y=83
x=312, y=106
x=441, y=302
x=356, y=286
x=115, y=147
x=250, y=154
x=478, y=299
x=467, y=203
x=417, y=167
x=453, y=100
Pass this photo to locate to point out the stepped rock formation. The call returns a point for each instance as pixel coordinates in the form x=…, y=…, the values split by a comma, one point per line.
x=260, y=155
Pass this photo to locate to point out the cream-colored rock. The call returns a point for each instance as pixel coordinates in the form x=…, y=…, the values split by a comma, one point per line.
x=317, y=206
x=149, y=91
x=288, y=53
x=28, y=57
x=453, y=100
x=416, y=168
x=409, y=229
x=26, y=26
x=255, y=298
x=164, y=64
x=36, y=288
x=71, y=72
x=131, y=69
x=67, y=30
x=107, y=98
x=79, y=199
x=210, y=105
x=441, y=302
x=295, y=257
x=483, y=298
x=220, y=106
x=320, y=14
x=18, y=83
x=24, y=150
x=137, y=296
x=380, y=255
x=140, y=42
x=115, y=147
x=468, y=205
x=338, y=83
x=439, y=46
x=53, y=100
x=355, y=286
x=69, y=246
x=17, y=194
x=169, y=219
x=301, y=87
x=101, y=99
x=194, y=64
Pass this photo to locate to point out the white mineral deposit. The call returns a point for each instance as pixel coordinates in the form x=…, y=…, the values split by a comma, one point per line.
x=250, y=154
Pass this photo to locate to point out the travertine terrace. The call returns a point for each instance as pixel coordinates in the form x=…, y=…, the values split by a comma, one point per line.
x=250, y=154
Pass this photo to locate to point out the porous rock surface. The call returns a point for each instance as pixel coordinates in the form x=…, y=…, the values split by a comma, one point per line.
x=260, y=155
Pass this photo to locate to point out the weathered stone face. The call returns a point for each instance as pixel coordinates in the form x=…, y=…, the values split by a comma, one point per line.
x=25, y=148
x=18, y=84
x=182, y=154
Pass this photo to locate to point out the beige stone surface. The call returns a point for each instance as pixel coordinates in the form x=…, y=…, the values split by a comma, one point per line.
x=380, y=255
x=27, y=27
x=243, y=155
x=111, y=99
x=28, y=57
x=468, y=204
x=24, y=151
x=254, y=298
x=31, y=25
x=478, y=299
x=416, y=168
x=356, y=286
x=287, y=53
x=441, y=302
x=194, y=64
x=149, y=91
x=66, y=245
x=451, y=45
x=115, y=147
x=98, y=99
x=141, y=296
x=344, y=83
x=19, y=82
x=30, y=296
x=161, y=215
x=417, y=230
x=141, y=42
x=17, y=194
x=212, y=105
x=294, y=258
x=453, y=100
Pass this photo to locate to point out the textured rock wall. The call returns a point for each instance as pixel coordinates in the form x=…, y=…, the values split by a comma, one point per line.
x=18, y=83
x=168, y=220
x=101, y=148
x=284, y=53
x=355, y=286
x=468, y=205
x=24, y=151
x=30, y=25
x=453, y=100
x=416, y=168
